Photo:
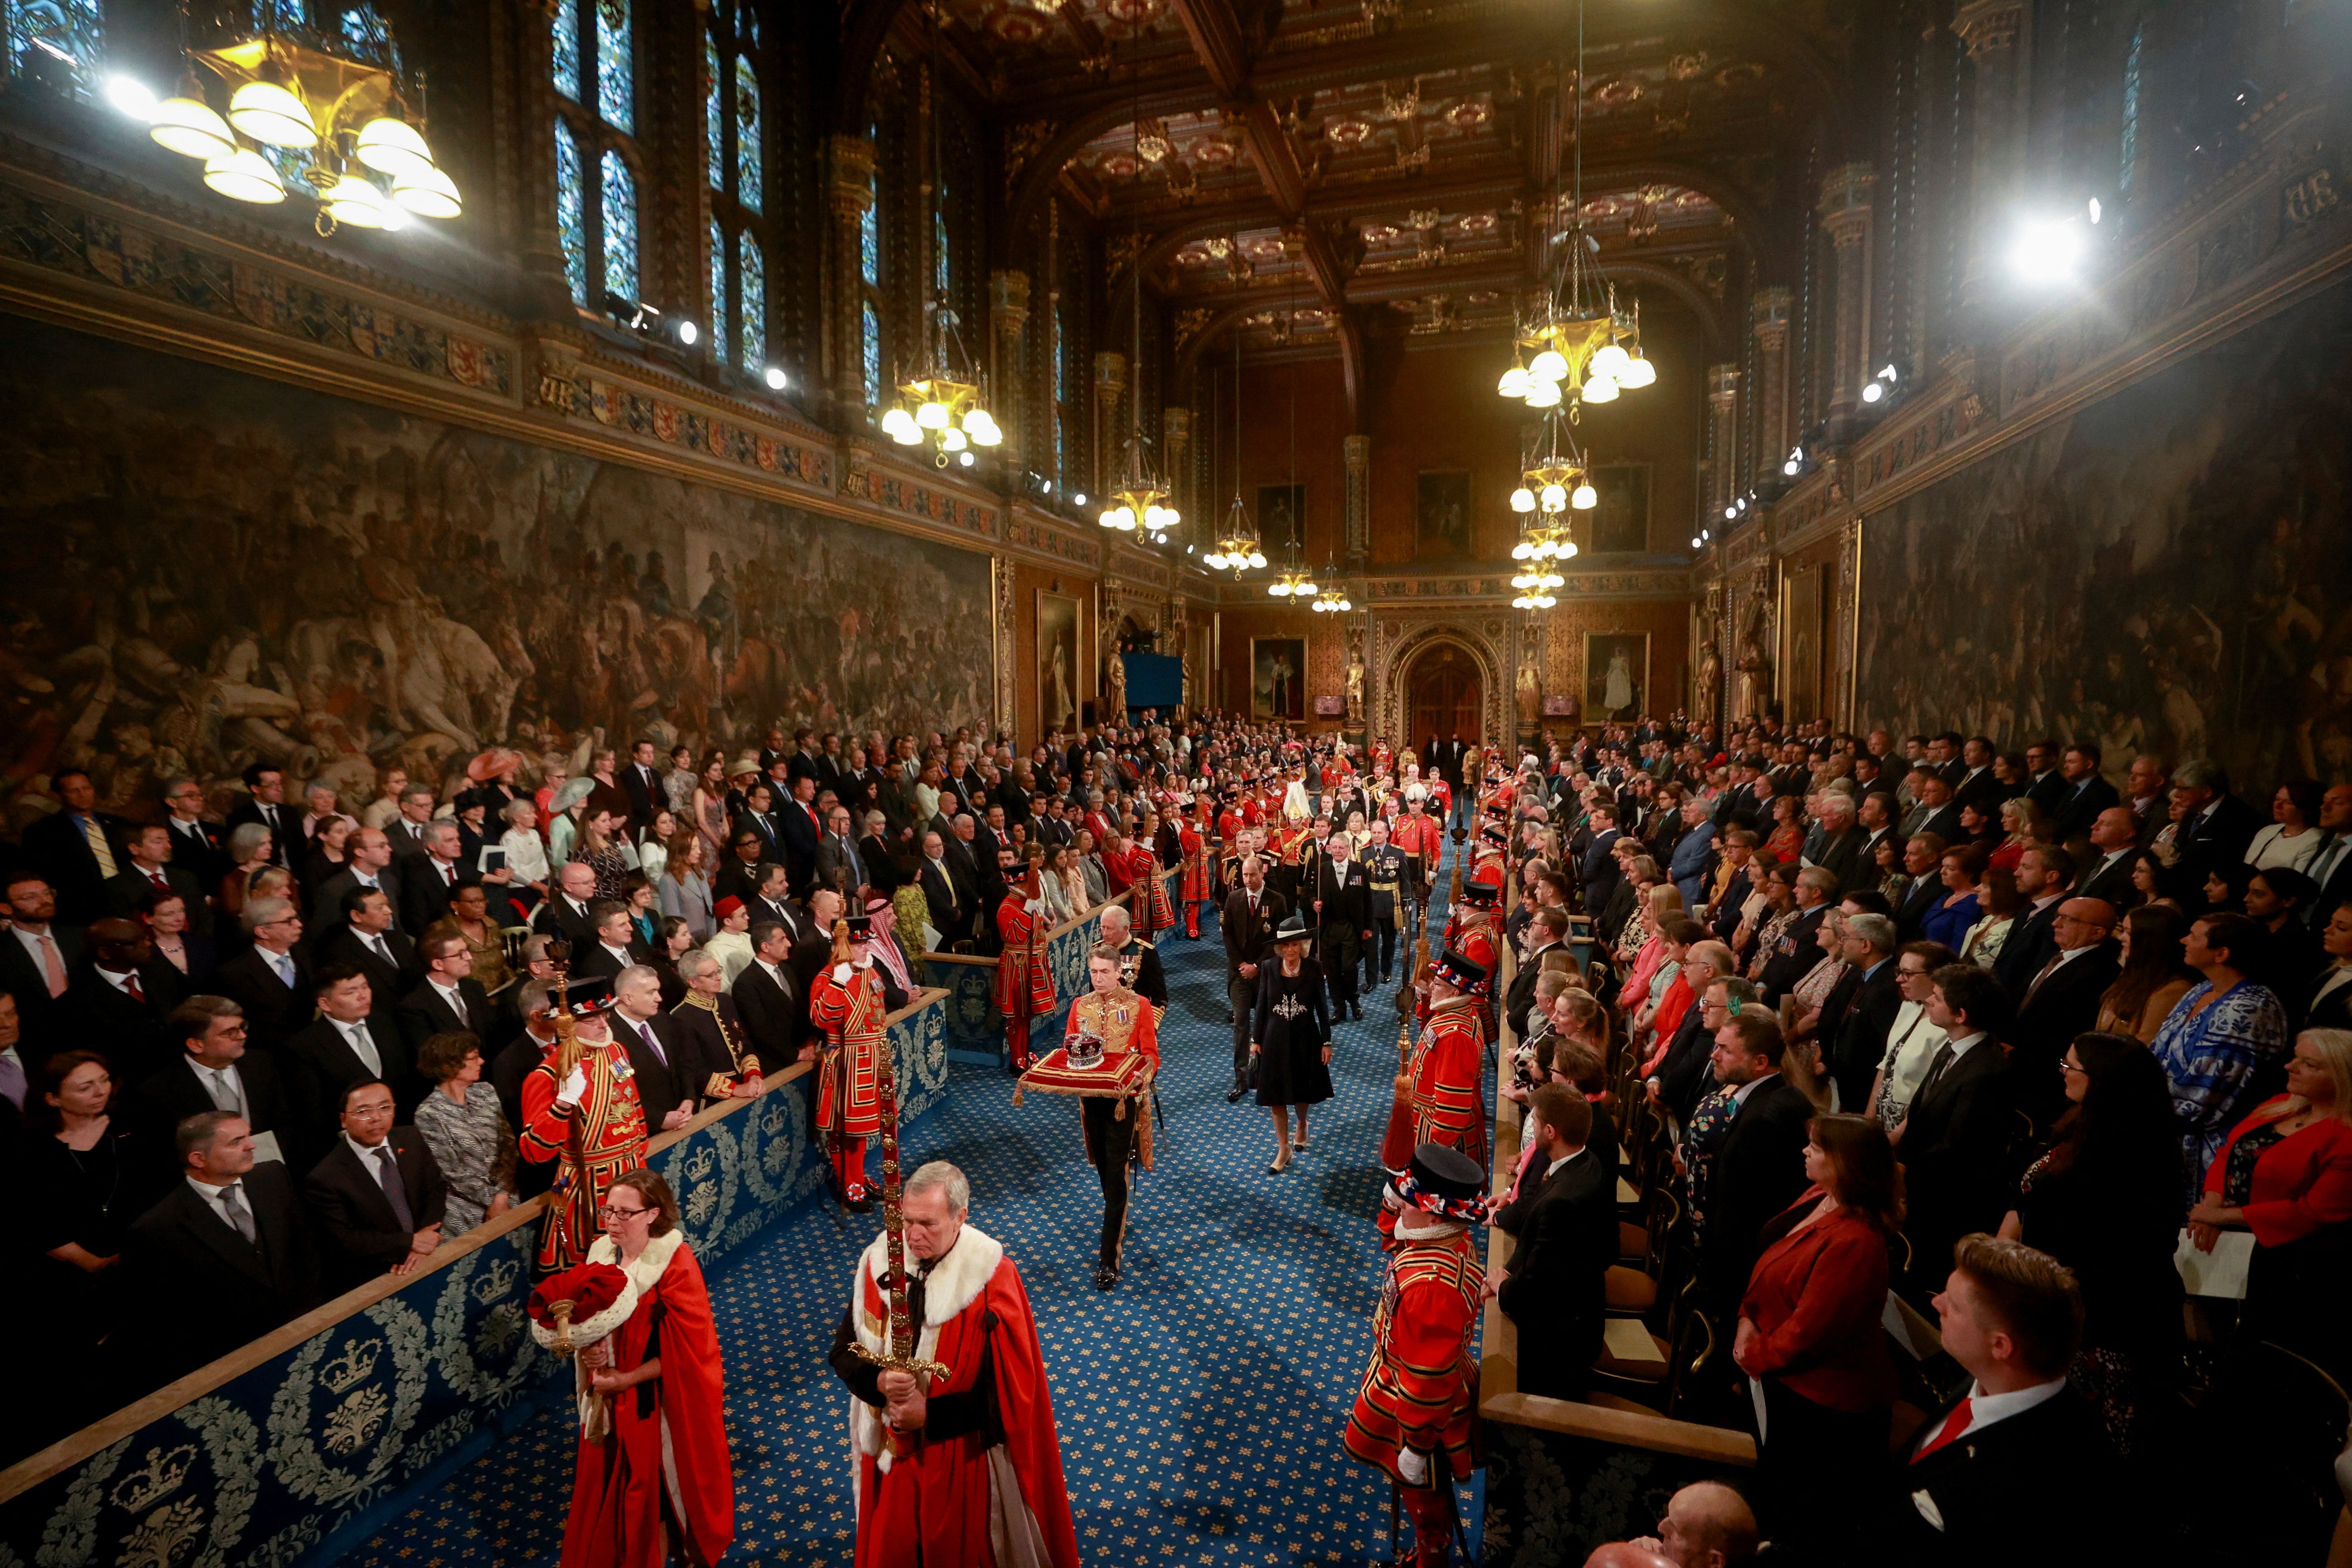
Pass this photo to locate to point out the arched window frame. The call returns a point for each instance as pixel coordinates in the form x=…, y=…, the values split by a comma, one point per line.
x=739, y=67
x=598, y=90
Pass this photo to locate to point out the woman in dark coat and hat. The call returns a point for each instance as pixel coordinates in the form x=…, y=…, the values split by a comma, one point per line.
x=1290, y=1037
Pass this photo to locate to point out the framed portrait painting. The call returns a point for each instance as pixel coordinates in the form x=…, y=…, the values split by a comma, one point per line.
x=1621, y=516
x=1281, y=520
x=1616, y=674
x=1442, y=515
x=1062, y=679
x=1278, y=678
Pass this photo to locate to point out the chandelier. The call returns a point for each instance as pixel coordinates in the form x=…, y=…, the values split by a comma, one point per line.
x=1331, y=599
x=1237, y=545
x=938, y=404
x=1555, y=481
x=326, y=113
x=1136, y=495
x=1295, y=582
x=1577, y=338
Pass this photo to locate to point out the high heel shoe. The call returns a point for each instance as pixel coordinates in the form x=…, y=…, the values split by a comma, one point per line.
x=1280, y=1165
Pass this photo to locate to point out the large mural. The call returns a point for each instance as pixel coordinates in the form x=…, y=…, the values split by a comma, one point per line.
x=2168, y=571
x=205, y=569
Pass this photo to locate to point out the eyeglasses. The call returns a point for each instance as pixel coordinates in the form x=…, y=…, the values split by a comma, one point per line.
x=607, y=1211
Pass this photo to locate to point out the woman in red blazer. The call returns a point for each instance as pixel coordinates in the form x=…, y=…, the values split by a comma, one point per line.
x=2285, y=1173
x=1810, y=1338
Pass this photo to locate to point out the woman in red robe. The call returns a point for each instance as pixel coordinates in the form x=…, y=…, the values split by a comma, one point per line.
x=660, y=1373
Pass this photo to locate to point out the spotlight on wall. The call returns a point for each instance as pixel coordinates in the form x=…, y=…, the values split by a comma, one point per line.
x=1731, y=514
x=2046, y=252
x=1694, y=542
x=687, y=333
x=132, y=96
x=1078, y=499
x=775, y=379
x=1879, y=386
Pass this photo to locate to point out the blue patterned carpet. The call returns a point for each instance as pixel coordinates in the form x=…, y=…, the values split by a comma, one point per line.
x=1200, y=1404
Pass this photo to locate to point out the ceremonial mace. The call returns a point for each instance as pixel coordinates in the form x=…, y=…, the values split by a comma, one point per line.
x=899, y=1345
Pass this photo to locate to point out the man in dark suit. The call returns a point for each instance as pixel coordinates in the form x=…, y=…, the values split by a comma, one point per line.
x=2061, y=1000
x=379, y=1195
x=368, y=866
x=643, y=785
x=1976, y=785
x=738, y=877
x=1546, y=929
x=769, y=1000
x=1252, y=911
x=771, y=899
x=2045, y=786
x=1843, y=841
x=949, y=892
x=1799, y=949
x=617, y=945
x=270, y=980
x=1566, y=1221
x=1600, y=873
x=2214, y=826
x=800, y=829
x=838, y=863
x=2002, y=1474
x=430, y=881
x=758, y=818
x=410, y=830
x=2044, y=872
x=1923, y=858
x=116, y=999
x=234, y=1236
x=214, y=1072
x=353, y=1041
x=2114, y=845
x=1338, y=897
x=148, y=872
x=1759, y=1167
x=1854, y=1052
x=368, y=942
x=1955, y=1138
x=669, y=1072
x=264, y=803
x=448, y=999
x=78, y=847
x=2331, y=863
x=566, y=911
x=198, y=847
x=2085, y=795
x=1935, y=812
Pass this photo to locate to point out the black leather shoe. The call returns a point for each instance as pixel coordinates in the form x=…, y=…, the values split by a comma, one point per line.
x=1106, y=1277
x=1233, y=1095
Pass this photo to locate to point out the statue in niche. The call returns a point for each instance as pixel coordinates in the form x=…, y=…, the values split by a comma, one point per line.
x=1115, y=682
x=1755, y=665
x=1355, y=674
x=1530, y=694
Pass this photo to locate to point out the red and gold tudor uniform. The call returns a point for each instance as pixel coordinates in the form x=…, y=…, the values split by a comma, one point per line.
x=1193, y=887
x=1024, y=979
x=1417, y=1407
x=1438, y=1096
x=851, y=1002
x=592, y=1137
x=1471, y=928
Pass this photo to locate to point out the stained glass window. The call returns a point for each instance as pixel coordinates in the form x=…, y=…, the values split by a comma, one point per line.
x=2129, y=161
x=870, y=244
x=364, y=32
x=872, y=356
x=751, y=328
x=718, y=279
x=615, y=65
x=567, y=48
x=714, y=113
x=571, y=211
x=55, y=42
x=620, y=188
x=747, y=135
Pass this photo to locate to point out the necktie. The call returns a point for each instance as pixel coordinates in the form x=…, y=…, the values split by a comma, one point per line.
x=1944, y=1058
x=12, y=1079
x=449, y=875
x=2047, y=971
x=233, y=1205
x=363, y=1047
x=131, y=987
x=383, y=952
x=652, y=1044
x=1953, y=1425
x=53, y=965
x=2324, y=864
x=156, y=879
x=95, y=837
x=224, y=1091
x=285, y=967
x=387, y=1173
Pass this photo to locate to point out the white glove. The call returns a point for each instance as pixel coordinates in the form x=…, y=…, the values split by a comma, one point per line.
x=840, y=974
x=1412, y=1466
x=573, y=1086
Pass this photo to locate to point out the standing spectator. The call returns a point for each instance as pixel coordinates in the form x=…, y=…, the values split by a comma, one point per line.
x=2292, y=838
x=466, y=1131
x=2220, y=1035
x=2115, y=839
x=196, y=845
x=2043, y=875
x=215, y=1069
x=78, y=847
x=351, y=1042
x=77, y=1188
x=1565, y=1218
x=2328, y=1005
x=2285, y=1173
x=250, y=852
x=1998, y=905
x=1809, y=1334
x=1954, y=1139
x=1758, y=1169
x=2101, y=1197
x=1952, y=917
x=378, y=1196
x=270, y=980
x=683, y=890
x=2153, y=979
x=2060, y=1001
x=605, y=853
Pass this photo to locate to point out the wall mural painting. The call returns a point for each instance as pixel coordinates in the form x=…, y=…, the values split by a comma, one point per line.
x=210, y=569
x=1441, y=513
x=1616, y=674
x=1802, y=632
x=2168, y=571
x=1278, y=678
x=1061, y=676
x=1621, y=513
x=1281, y=520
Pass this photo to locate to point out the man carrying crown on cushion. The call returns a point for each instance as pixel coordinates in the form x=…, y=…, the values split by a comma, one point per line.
x=1416, y=1408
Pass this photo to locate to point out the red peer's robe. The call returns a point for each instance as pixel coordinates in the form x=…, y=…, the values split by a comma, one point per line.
x=960, y=1501
x=666, y=1454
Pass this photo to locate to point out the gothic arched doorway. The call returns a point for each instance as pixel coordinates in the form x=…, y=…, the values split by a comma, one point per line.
x=1444, y=693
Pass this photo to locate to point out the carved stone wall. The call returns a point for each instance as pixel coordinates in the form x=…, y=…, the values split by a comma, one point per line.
x=1398, y=640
